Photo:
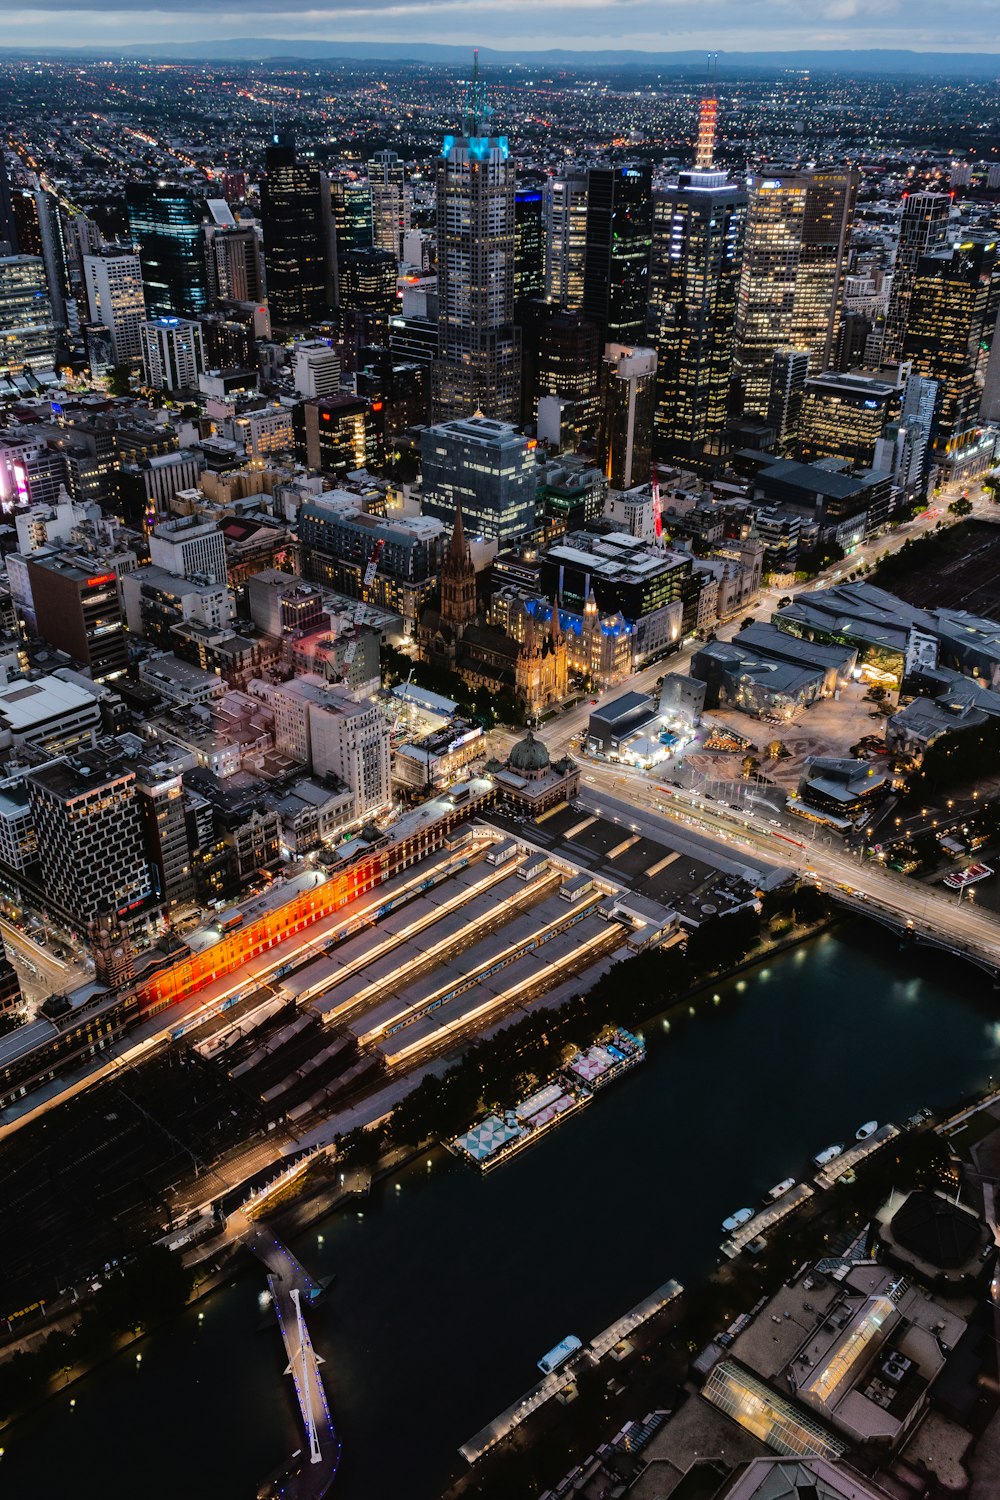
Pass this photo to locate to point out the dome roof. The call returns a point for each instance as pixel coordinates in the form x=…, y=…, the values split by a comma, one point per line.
x=529, y=754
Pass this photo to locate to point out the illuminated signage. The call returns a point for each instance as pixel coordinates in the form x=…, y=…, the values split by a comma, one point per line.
x=93, y=583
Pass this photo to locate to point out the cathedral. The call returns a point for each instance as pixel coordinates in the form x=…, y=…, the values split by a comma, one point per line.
x=457, y=636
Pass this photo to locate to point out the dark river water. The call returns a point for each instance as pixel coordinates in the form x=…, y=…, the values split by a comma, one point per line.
x=449, y=1285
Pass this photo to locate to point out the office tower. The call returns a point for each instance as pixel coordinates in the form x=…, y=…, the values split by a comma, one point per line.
x=39, y=230
x=698, y=233
x=564, y=200
x=950, y=329
x=616, y=257
x=367, y=295
x=791, y=285
x=923, y=229
x=351, y=207
x=485, y=467
x=160, y=799
x=115, y=298
x=789, y=372
x=317, y=369
x=89, y=835
x=843, y=416
x=82, y=237
x=529, y=243
x=561, y=356
x=855, y=330
x=229, y=343
x=400, y=388
x=704, y=155
x=27, y=328
x=391, y=202
x=298, y=245
x=478, y=368
x=78, y=611
x=628, y=400
x=165, y=222
x=173, y=353
x=8, y=230
x=188, y=547
x=336, y=435
x=233, y=263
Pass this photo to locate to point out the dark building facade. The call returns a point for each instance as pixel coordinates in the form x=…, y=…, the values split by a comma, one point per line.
x=616, y=257
x=295, y=212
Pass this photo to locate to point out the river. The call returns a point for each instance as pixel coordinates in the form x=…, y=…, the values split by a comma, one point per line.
x=449, y=1285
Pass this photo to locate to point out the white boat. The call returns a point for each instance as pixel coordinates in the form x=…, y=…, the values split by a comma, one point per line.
x=826, y=1157
x=736, y=1220
x=560, y=1354
x=867, y=1129
x=780, y=1188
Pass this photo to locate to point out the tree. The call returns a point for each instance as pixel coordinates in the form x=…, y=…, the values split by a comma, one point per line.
x=784, y=601
x=877, y=693
x=960, y=507
x=748, y=621
x=152, y=1286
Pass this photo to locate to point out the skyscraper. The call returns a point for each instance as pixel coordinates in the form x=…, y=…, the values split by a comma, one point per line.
x=298, y=246
x=367, y=295
x=27, y=329
x=789, y=373
x=616, y=258
x=479, y=358
x=391, y=201
x=165, y=222
x=39, y=230
x=923, y=229
x=529, y=243
x=950, y=330
x=233, y=261
x=565, y=214
x=173, y=353
x=698, y=233
x=115, y=298
x=791, y=286
x=628, y=398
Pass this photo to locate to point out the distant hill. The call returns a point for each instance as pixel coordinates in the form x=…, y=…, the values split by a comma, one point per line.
x=888, y=63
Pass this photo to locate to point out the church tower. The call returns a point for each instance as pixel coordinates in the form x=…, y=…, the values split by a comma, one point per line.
x=458, y=580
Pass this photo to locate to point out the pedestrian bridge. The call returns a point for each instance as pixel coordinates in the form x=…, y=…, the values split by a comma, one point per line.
x=313, y=1469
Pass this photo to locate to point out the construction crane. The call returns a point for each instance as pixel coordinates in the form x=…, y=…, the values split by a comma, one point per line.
x=361, y=609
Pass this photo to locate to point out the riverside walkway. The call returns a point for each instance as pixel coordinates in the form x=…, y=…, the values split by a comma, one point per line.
x=312, y=1470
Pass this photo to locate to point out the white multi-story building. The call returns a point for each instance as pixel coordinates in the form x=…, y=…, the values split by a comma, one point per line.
x=317, y=369
x=327, y=731
x=113, y=279
x=173, y=353
x=189, y=548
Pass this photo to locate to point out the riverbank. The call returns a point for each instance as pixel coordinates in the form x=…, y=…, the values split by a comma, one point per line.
x=319, y=1193
x=449, y=1285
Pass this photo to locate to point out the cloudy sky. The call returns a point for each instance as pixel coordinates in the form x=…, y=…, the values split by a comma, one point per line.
x=663, y=25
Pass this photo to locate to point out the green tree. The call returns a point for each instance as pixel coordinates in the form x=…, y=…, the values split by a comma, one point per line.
x=961, y=507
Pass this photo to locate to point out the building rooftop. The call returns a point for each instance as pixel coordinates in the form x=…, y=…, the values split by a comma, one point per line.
x=23, y=705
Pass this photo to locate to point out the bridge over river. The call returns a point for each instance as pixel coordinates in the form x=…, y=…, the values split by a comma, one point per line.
x=312, y=1469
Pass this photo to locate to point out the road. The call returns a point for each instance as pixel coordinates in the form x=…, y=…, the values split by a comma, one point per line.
x=619, y=791
x=41, y=972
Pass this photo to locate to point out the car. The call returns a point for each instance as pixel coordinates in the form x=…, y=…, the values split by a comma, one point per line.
x=594, y=702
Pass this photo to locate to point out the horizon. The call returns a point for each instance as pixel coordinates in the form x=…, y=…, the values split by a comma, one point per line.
x=766, y=27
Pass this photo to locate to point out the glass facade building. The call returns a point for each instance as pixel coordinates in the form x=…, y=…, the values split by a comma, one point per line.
x=488, y=468
x=616, y=258
x=27, y=330
x=165, y=222
x=698, y=235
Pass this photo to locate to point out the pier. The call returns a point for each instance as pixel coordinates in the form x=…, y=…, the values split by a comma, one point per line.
x=311, y=1471
x=605, y=1343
